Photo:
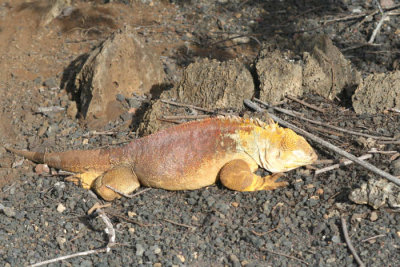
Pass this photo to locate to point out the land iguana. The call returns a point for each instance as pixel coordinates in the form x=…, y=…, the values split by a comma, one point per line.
x=188, y=156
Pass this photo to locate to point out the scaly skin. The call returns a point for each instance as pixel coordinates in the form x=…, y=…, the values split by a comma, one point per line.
x=186, y=157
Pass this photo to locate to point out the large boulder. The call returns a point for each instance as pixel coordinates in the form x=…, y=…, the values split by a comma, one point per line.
x=213, y=84
x=279, y=76
x=326, y=71
x=122, y=64
x=377, y=93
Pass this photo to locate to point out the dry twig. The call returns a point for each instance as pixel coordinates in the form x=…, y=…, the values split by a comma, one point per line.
x=169, y=121
x=359, y=46
x=372, y=237
x=180, y=224
x=322, y=130
x=185, y=117
x=345, y=163
x=50, y=109
x=187, y=106
x=194, y=107
x=349, y=17
x=373, y=150
x=301, y=116
x=128, y=219
x=379, y=6
x=111, y=242
x=394, y=109
x=377, y=29
x=393, y=142
x=126, y=195
x=349, y=244
x=324, y=143
x=264, y=233
x=284, y=255
x=305, y=104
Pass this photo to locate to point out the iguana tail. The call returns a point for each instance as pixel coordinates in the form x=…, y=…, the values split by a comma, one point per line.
x=73, y=160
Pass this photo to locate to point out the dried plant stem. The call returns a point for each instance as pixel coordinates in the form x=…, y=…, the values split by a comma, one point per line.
x=349, y=244
x=305, y=103
x=301, y=116
x=111, y=242
x=284, y=255
x=185, y=117
x=377, y=29
x=336, y=166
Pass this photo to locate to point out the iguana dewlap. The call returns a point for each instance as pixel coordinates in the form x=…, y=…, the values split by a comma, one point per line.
x=188, y=156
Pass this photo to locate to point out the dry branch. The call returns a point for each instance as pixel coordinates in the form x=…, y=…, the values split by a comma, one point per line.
x=301, y=116
x=335, y=166
x=349, y=244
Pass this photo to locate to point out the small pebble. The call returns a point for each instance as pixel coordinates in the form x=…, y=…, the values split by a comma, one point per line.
x=120, y=97
x=374, y=216
x=50, y=83
x=9, y=212
x=139, y=250
x=131, y=214
x=335, y=239
x=42, y=168
x=235, y=204
x=126, y=116
x=180, y=257
x=61, y=241
x=234, y=260
x=61, y=208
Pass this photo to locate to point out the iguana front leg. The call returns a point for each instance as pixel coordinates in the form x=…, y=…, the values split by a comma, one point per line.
x=238, y=175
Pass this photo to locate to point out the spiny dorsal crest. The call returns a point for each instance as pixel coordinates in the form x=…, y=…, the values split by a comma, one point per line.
x=254, y=121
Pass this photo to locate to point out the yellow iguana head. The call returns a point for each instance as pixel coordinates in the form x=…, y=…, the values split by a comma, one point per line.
x=285, y=150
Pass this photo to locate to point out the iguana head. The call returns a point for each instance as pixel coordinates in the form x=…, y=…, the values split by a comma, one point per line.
x=285, y=150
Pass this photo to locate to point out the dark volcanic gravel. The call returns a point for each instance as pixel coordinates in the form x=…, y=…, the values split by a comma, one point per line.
x=42, y=217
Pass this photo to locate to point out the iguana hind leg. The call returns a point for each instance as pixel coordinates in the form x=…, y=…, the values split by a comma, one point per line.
x=84, y=179
x=238, y=175
x=121, y=178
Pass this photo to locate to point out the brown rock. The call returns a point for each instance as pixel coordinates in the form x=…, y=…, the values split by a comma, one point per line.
x=377, y=193
x=150, y=122
x=213, y=84
x=326, y=71
x=54, y=9
x=278, y=75
x=72, y=110
x=377, y=93
x=42, y=168
x=116, y=67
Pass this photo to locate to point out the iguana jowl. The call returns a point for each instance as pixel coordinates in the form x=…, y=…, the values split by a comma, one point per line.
x=188, y=156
